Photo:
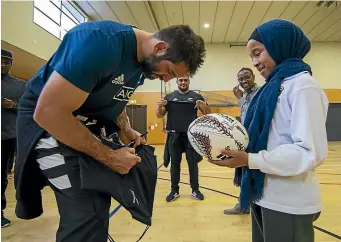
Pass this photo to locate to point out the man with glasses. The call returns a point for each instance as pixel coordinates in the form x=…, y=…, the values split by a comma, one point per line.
x=246, y=79
x=182, y=106
x=11, y=91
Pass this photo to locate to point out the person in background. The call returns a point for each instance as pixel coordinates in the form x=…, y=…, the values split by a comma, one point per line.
x=246, y=79
x=11, y=90
x=178, y=142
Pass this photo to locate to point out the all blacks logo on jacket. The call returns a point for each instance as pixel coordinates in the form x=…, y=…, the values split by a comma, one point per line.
x=124, y=93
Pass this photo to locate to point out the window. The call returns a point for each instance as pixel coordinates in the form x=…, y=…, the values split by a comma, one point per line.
x=56, y=16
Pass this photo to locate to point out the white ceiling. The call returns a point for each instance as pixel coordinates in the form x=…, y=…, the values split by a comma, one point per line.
x=230, y=21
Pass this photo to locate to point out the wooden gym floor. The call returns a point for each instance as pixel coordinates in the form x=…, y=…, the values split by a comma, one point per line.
x=186, y=219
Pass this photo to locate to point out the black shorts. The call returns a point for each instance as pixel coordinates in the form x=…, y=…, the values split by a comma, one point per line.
x=84, y=214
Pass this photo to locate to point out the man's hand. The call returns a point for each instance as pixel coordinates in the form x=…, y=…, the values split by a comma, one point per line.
x=122, y=160
x=237, y=92
x=236, y=159
x=7, y=103
x=161, y=103
x=161, y=110
x=200, y=104
x=131, y=135
x=203, y=107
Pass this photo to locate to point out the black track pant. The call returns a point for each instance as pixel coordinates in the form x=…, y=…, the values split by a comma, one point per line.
x=179, y=144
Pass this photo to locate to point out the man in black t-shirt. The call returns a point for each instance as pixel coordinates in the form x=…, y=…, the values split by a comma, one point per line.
x=182, y=106
x=71, y=108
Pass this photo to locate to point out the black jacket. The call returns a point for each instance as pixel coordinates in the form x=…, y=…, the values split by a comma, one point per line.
x=171, y=138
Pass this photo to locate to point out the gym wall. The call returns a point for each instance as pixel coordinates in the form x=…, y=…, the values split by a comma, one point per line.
x=19, y=30
x=218, y=73
x=223, y=62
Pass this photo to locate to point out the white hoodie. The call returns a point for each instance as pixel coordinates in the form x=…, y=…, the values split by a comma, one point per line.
x=297, y=145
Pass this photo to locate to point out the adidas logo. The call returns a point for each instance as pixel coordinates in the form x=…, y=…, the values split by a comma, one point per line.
x=118, y=80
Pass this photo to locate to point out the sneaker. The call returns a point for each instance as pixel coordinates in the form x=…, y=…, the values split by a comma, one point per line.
x=197, y=195
x=236, y=210
x=172, y=196
x=5, y=222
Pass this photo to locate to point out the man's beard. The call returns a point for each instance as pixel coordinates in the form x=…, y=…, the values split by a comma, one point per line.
x=184, y=90
x=148, y=66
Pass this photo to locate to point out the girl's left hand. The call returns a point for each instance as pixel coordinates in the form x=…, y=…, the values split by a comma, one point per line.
x=236, y=159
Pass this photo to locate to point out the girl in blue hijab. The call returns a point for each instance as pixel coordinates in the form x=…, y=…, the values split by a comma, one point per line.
x=288, y=141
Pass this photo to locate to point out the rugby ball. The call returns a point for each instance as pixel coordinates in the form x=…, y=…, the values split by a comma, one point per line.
x=211, y=133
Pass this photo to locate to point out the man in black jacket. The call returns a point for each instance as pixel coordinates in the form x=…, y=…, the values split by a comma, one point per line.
x=182, y=106
x=11, y=91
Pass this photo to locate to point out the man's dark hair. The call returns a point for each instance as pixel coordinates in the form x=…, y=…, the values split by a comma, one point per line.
x=245, y=69
x=183, y=45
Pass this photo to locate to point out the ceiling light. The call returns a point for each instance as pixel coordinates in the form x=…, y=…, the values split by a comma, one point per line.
x=206, y=25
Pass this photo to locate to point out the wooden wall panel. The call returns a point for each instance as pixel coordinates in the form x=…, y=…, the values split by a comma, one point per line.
x=157, y=136
x=334, y=95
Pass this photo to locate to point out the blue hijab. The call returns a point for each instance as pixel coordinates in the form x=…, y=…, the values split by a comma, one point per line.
x=287, y=45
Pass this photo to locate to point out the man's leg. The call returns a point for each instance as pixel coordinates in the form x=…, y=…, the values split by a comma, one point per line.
x=176, y=155
x=283, y=227
x=12, y=147
x=84, y=215
x=5, y=153
x=193, y=171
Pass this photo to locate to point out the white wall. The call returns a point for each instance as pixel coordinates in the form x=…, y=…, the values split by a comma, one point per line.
x=222, y=64
x=18, y=29
x=325, y=61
